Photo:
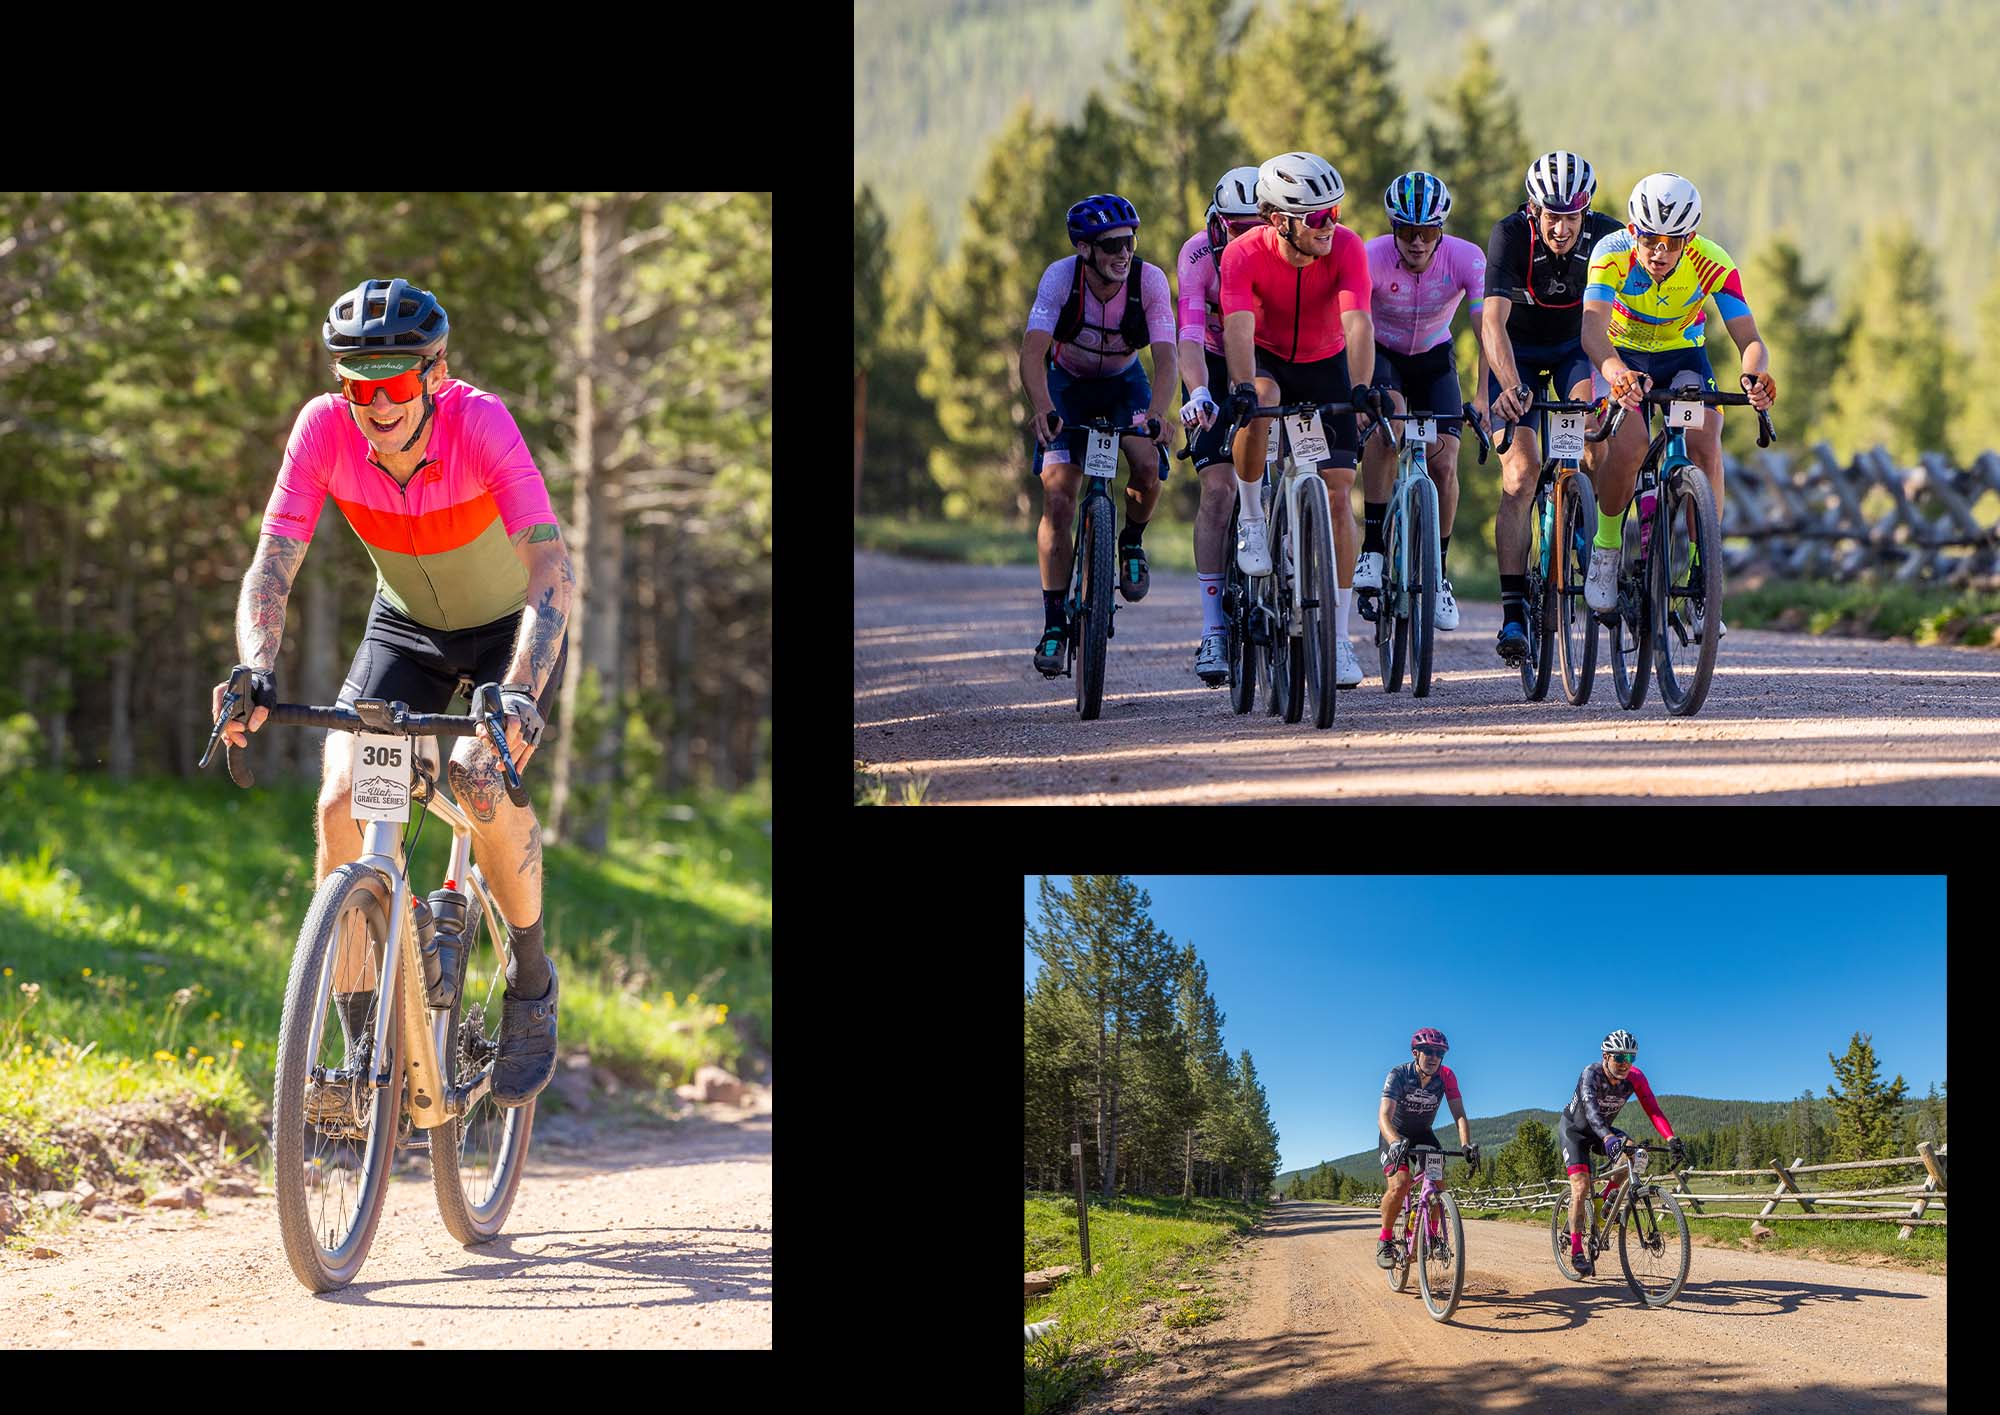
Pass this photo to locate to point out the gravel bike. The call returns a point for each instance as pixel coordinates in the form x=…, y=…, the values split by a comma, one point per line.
x=411, y=1062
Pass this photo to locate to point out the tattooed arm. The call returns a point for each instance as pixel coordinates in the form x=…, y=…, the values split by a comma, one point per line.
x=545, y=620
x=260, y=613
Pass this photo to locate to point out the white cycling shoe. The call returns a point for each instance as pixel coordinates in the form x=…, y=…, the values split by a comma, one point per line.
x=1346, y=664
x=1368, y=571
x=1447, y=608
x=1600, y=591
x=1253, y=553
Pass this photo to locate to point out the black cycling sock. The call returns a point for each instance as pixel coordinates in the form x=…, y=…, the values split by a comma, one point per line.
x=1444, y=556
x=528, y=968
x=1514, y=598
x=1131, y=534
x=1372, y=513
x=1052, y=609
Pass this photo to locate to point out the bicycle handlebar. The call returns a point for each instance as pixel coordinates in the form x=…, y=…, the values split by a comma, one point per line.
x=1543, y=405
x=367, y=715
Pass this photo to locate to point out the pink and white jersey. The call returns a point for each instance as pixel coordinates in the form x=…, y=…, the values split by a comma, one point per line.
x=1413, y=312
x=1098, y=351
x=440, y=542
x=1201, y=294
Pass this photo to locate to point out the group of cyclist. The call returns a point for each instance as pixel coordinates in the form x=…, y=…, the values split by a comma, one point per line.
x=1413, y=1092
x=1279, y=302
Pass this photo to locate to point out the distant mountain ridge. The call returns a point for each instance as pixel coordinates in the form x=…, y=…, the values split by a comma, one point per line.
x=1813, y=119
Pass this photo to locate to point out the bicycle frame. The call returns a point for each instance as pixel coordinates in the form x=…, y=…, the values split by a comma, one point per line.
x=1291, y=484
x=426, y=1030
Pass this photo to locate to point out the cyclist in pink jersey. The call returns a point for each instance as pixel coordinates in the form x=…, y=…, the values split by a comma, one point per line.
x=473, y=586
x=1093, y=312
x=1586, y=1126
x=1203, y=371
x=1295, y=318
x=1411, y=1097
x=1418, y=275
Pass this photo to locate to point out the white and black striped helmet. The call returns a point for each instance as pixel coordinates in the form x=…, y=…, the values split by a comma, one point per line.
x=1561, y=181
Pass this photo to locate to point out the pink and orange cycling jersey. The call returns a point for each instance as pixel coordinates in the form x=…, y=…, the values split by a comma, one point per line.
x=1413, y=312
x=1099, y=351
x=1201, y=294
x=440, y=543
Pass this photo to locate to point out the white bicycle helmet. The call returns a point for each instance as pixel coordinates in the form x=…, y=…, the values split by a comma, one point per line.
x=1299, y=182
x=1236, y=193
x=1665, y=204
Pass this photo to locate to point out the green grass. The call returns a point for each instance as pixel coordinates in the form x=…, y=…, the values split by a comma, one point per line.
x=146, y=932
x=1141, y=1249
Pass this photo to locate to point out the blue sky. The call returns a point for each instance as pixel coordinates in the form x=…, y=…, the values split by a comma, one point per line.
x=1737, y=989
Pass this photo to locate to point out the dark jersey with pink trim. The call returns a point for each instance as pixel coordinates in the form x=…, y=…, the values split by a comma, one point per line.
x=1417, y=1102
x=1599, y=1098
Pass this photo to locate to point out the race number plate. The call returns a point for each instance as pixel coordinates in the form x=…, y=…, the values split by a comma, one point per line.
x=1272, y=447
x=1434, y=1166
x=1308, y=440
x=1100, y=455
x=1423, y=430
x=1566, y=436
x=381, y=776
x=1687, y=415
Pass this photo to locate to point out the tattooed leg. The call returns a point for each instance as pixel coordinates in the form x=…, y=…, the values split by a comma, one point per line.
x=508, y=838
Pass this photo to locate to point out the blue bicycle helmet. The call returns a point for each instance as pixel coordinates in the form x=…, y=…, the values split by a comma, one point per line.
x=386, y=316
x=1417, y=199
x=1100, y=213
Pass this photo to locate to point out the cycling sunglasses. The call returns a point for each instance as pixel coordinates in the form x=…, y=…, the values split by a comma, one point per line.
x=400, y=387
x=1413, y=234
x=1320, y=220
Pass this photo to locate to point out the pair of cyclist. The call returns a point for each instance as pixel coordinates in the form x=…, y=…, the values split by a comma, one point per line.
x=1413, y=1092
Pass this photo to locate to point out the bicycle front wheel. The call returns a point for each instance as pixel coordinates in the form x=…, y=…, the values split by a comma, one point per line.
x=1092, y=630
x=1654, y=1247
x=1317, y=578
x=1424, y=587
x=333, y=1129
x=1576, y=523
x=1687, y=591
x=1441, y=1274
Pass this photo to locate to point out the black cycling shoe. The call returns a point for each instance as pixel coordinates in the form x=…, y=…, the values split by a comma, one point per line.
x=1583, y=1265
x=1133, y=581
x=527, y=1046
x=1049, y=649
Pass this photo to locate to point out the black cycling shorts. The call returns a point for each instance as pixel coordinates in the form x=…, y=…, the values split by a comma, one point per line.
x=403, y=661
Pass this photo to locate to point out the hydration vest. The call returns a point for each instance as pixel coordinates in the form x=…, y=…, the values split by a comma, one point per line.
x=1131, y=325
